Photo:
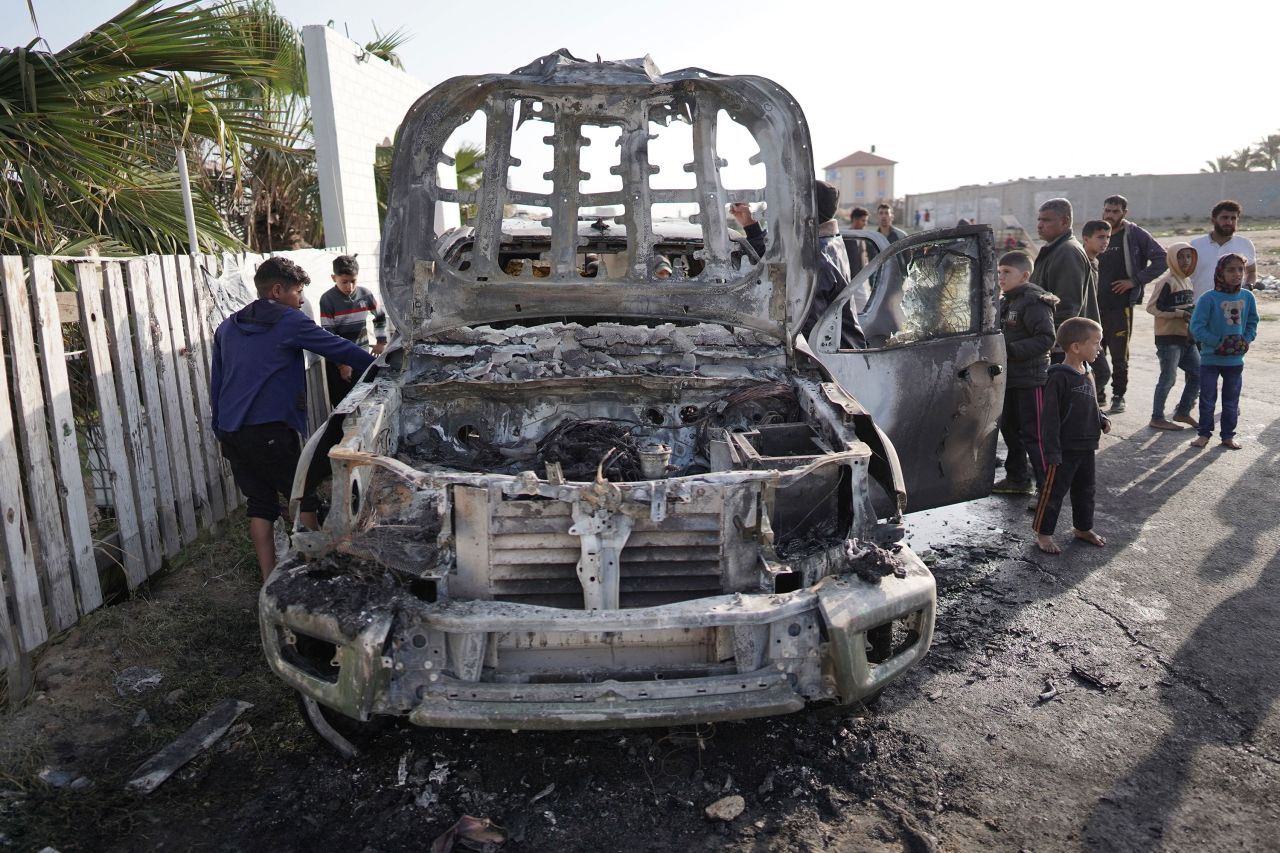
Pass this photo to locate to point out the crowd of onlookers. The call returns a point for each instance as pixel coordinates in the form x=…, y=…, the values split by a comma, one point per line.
x=1067, y=318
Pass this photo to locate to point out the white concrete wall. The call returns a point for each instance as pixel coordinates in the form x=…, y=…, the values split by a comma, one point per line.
x=357, y=102
x=1152, y=198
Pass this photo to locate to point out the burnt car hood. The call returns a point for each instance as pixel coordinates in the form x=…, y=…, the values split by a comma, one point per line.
x=425, y=293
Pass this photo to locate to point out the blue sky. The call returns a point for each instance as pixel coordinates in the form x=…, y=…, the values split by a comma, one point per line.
x=957, y=92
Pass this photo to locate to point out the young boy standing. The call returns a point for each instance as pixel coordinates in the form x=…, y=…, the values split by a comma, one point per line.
x=344, y=310
x=1095, y=237
x=1224, y=323
x=258, y=395
x=1172, y=299
x=1026, y=318
x=1070, y=426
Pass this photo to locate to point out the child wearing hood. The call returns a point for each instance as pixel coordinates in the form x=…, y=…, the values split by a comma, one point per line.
x=1224, y=323
x=1172, y=300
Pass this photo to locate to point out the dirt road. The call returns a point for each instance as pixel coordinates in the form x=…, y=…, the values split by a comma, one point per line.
x=1108, y=699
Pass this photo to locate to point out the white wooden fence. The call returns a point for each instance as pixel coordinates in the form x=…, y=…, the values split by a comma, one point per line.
x=137, y=396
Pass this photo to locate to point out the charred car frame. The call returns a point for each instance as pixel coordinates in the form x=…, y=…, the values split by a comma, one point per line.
x=576, y=494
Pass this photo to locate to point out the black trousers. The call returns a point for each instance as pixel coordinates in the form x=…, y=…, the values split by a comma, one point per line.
x=338, y=387
x=1019, y=425
x=1117, y=329
x=1074, y=475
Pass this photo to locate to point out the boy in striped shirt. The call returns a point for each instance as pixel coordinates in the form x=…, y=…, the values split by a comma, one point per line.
x=344, y=310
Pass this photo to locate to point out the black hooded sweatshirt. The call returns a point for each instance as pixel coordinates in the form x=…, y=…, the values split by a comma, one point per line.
x=1070, y=419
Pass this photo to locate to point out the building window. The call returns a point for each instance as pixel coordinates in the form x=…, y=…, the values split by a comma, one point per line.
x=880, y=173
x=861, y=194
x=860, y=173
x=833, y=176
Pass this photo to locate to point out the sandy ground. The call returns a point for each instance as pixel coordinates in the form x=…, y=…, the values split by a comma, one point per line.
x=1108, y=699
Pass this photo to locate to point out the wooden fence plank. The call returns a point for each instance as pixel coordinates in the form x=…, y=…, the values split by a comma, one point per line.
x=207, y=268
x=234, y=498
x=136, y=440
x=176, y=446
x=53, y=562
x=93, y=322
x=153, y=408
x=197, y=345
x=186, y=396
x=57, y=391
x=20, y=564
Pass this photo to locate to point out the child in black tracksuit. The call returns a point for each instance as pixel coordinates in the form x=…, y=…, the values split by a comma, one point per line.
x=1070, y=426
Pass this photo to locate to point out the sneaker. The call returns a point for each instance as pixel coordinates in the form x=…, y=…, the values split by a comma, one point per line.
x=1012, y=487
x=1161, y=423
x=1200, y=441
x=1188, y=420
x=1102, y=400
x=1117, y=405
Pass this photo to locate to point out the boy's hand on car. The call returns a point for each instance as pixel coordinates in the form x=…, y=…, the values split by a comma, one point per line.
x=742, y=212
x=378, y=348
x=344, y=371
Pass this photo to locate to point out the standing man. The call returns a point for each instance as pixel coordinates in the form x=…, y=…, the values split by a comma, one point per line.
x=1131, y=261
x=1062, y=268
x=892, y=233
x=884, y=216
x=856, y=248
x=1222, y=240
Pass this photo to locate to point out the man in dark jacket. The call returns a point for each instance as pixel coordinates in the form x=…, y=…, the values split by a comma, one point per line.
x=258, y=395
x=1062, y=268
x=1132, y=260
x=1026, y=318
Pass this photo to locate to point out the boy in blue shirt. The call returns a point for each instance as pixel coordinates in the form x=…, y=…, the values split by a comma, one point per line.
x=258, y=395
x=1224, y=323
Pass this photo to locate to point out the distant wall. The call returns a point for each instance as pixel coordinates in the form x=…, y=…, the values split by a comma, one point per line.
x=357, y=103
x=1151, y=198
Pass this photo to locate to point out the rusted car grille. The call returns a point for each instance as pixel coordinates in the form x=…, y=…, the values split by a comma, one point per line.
x=533, y=558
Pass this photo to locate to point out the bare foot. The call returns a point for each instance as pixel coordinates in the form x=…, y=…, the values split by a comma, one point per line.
x=1046, y=544
x=1200, y=441
x=1231, y=444
x=1089, y=536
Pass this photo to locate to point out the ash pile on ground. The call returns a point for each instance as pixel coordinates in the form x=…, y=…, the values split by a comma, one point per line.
x=558, y=350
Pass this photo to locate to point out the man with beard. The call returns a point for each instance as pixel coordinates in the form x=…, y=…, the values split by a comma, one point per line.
x=1131, y=260
x=1222, y=240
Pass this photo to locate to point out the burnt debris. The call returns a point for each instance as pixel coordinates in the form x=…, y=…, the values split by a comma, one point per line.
x=571, y=350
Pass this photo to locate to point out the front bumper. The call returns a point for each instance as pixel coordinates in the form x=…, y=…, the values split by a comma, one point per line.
x=492, y=664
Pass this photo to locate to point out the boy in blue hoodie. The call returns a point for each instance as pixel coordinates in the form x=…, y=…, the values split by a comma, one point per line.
x=1224, y=323
x=258, y=395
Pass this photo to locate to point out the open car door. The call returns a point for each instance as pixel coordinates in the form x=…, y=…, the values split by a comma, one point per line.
x=933, y=373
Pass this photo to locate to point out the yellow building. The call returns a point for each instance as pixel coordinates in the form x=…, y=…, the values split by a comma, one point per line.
x=864, y=180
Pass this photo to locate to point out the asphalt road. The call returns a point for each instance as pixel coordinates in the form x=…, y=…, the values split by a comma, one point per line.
x=1167, y=734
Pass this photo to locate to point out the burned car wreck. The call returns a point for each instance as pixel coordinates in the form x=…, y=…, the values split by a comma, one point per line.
x=577, y=494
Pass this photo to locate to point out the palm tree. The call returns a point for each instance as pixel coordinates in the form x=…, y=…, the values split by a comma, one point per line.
x=276, y=205
x=1221, y=164
x=1267, y=155
x=1243, y=159
x=89, y=134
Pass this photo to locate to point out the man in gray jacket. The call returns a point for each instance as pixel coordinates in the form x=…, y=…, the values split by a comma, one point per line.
x=1062, y=267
